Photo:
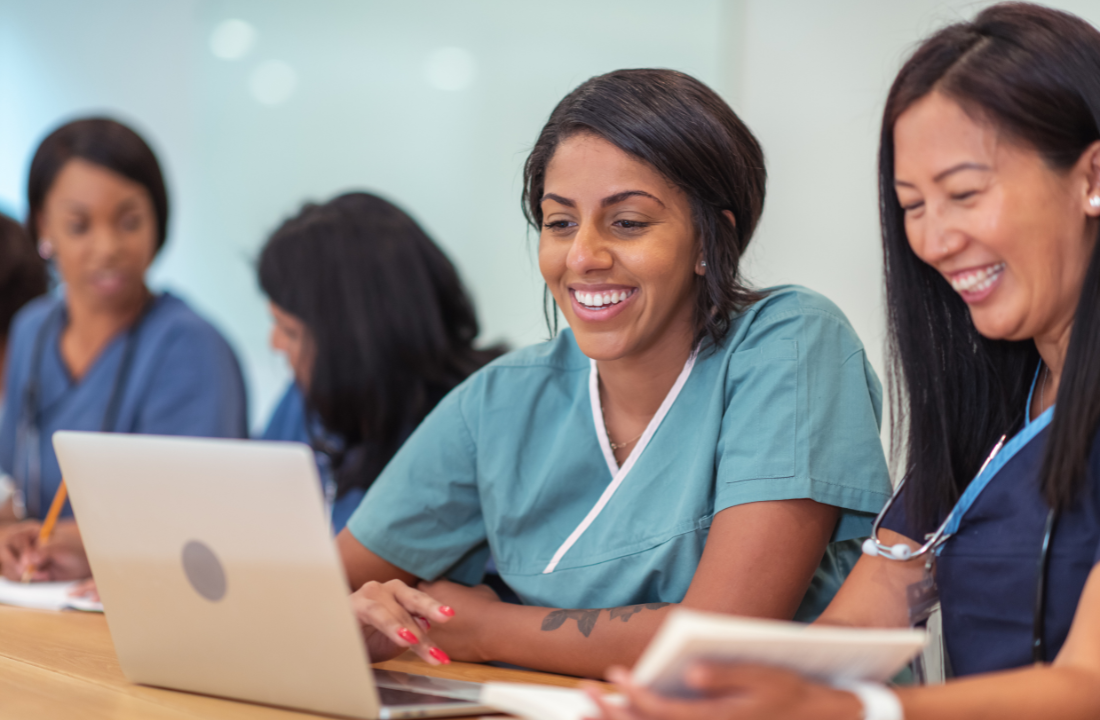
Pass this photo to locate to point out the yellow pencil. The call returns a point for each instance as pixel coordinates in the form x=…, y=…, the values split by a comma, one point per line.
x=48, y=524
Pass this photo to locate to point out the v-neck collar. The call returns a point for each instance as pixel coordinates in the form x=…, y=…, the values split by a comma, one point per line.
x=654, y=422
x=618, y=474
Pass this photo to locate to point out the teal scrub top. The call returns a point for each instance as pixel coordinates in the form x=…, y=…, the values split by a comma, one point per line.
x=515, y=460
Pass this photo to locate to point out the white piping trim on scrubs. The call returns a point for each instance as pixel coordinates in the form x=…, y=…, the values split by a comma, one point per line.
x=618, y=474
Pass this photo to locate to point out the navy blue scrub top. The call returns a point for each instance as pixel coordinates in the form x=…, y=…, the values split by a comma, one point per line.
x=184, y=380
x=987, y=572
x=289, y=422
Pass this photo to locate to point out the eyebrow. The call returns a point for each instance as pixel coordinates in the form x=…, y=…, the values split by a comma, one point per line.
x=607, y=201
x=950, y=171
x=127, y=204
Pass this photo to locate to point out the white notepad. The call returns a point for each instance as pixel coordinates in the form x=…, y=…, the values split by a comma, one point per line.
x=45, y=596
x=828, y=654
x=540, y=702
x=821, y=652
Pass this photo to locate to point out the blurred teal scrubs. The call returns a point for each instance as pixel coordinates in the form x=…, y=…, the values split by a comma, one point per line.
x=183, y=380
x=289, y=422
x=516, y=460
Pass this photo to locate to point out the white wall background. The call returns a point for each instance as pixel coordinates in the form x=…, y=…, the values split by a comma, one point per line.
x=362, y=94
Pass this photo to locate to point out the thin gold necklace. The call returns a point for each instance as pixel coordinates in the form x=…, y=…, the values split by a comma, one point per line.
x=614, y=445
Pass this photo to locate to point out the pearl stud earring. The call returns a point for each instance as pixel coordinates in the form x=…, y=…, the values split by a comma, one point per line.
x=703, y=263
x=1094, y=201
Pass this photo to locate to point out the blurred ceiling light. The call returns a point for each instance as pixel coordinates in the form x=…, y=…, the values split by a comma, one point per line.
x=232, y=39
x=272, y=82
x=450, y=68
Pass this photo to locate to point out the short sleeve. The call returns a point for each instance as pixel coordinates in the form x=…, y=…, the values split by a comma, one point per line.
x=196, y=388
x=897, y=519
x=802, y=418
x=423, y=513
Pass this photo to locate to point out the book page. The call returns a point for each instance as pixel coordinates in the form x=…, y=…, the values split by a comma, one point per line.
x=827, y=654
x=45, y=596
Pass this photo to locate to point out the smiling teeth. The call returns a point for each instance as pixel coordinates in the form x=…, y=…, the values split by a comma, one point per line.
x=978, y=280
x=598, y=300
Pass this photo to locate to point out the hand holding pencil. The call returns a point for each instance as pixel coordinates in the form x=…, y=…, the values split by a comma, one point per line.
x=50, y=550
x=47, y=527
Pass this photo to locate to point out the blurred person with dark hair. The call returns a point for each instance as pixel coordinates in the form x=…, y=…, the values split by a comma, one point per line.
x=105, y=354
x=22, y=278
x=376, y=326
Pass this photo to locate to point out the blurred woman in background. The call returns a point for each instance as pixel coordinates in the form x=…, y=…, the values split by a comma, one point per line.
x=22, y=278
x=377, y=327
x=106, y=354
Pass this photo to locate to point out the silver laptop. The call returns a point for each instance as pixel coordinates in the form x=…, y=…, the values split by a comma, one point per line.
x=219, y=575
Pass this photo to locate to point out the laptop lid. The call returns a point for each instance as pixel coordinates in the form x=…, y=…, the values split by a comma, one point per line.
x=217, y=569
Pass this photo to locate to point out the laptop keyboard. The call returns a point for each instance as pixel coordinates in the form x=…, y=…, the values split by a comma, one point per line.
x=391, y=697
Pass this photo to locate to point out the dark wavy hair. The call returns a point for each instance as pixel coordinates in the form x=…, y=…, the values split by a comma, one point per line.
x=390, y=322
x=1034, y=74
x=104, y=142
x=22, y=273
x=685, y=131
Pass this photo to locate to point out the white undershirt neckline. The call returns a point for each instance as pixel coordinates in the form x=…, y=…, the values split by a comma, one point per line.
x=618, y=474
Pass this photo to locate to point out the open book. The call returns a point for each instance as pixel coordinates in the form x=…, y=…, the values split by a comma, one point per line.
x=45, y=596
x=827, y=654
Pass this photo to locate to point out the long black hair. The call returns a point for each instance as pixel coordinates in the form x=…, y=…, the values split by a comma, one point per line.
x=390, y=323
x=685, y=131
x=1034, y=74
x=104, y=142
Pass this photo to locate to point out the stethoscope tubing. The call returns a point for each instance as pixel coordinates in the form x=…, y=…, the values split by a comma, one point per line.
x=28, y=435
x=902, y=552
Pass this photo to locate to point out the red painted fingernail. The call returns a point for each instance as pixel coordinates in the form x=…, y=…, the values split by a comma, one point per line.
x=440, y=655
x=447, y=610
x=407, y=636
x=427, y=623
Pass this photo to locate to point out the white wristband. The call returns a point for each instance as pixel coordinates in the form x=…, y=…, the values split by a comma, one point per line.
x=879, y=702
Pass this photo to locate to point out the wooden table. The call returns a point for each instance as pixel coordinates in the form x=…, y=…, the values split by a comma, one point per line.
x=63, y=665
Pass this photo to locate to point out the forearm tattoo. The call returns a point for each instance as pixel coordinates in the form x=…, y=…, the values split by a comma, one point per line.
x=586, y=619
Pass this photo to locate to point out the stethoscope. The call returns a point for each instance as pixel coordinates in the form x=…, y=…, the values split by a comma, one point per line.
x=27, y=430
x=902, y=552
x=934, y=542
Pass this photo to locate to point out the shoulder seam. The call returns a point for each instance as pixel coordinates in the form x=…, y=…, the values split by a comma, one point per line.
x=801, y=312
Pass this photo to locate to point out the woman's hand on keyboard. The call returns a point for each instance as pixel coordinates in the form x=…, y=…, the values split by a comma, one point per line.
x=395, y=617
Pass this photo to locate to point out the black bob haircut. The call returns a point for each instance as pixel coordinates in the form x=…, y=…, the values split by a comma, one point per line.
x=685, y=131
x=100, y=141
x=391, y=325
x=1033, y=74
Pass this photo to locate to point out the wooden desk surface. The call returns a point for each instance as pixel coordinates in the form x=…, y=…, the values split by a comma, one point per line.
x=63, y=665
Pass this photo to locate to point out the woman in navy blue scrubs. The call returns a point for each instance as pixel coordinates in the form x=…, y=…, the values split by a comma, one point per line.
x=105, y=354
x=990, y=192
x=377, y=327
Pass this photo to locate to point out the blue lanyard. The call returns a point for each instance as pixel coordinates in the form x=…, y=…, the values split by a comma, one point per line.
x=1030, y=430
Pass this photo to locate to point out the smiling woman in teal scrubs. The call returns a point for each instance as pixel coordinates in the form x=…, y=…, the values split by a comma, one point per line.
x=686, y=440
